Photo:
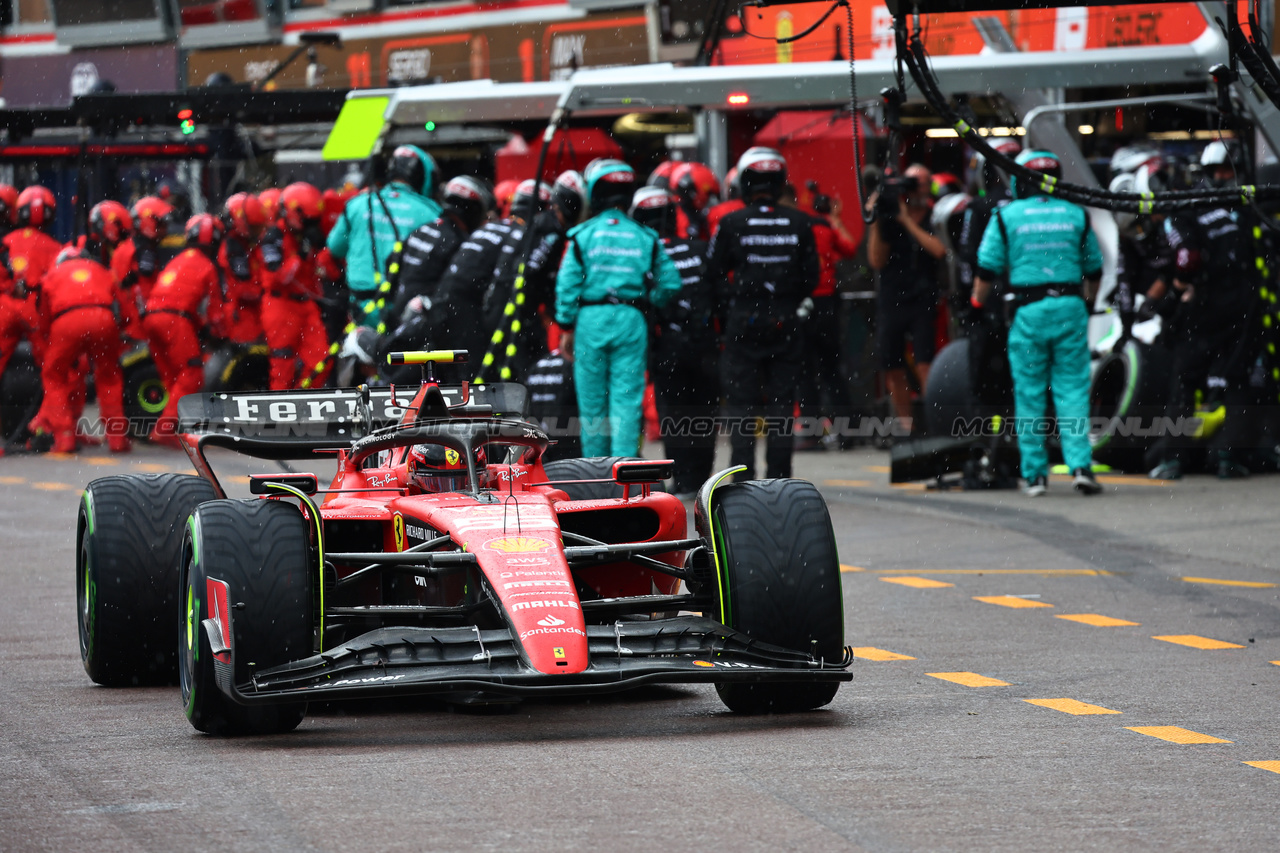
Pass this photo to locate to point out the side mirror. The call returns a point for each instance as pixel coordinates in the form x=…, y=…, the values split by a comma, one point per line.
x=643, y=471
x=260, y=484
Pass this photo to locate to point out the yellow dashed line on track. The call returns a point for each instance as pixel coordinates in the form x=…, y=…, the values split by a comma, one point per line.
x=101, y=460
x=1195, y=641
x=918, y=583
x=1220, y=582
x=1175, y=734
x=52, y=487
x=851, y=484
x=878, y=469
x=12, y=481
x=872, y=653
x=60, y=456
x=1011, y=601
x=1096, y=619
x=1071, y=706
x=1273, y=766
x=845, y=568
x=1091, y=573
x=910, y=487
x=1113, y=480
x=968, y=679
x=151, y=467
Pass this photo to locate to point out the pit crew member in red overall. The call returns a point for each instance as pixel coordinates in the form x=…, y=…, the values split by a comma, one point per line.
x=28, y=252
x=187, y=297
x=290, y=316
x=136, y=262
x=242, y=267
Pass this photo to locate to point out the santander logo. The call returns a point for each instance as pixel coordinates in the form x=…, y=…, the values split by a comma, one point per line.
x=550, y=621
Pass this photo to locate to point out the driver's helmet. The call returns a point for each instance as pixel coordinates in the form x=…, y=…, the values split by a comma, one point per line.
x=433, y=468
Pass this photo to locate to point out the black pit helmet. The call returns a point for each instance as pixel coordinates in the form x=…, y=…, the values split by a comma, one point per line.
x=569, y=195
x=523, y=204
x=761, y=171
x=414, y=167
x=471, y=197
x=610, y=184
x=656, y=208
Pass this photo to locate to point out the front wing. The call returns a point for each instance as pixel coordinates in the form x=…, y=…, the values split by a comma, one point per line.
x=624, y=655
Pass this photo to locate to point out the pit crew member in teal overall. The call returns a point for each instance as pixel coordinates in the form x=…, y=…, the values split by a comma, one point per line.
x=372, y=226
x=613, y=270
x=1051, y=257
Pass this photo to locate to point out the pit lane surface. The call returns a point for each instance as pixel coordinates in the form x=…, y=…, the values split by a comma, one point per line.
x=1011, y=693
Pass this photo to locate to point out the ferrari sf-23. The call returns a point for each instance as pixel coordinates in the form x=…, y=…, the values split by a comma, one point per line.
x=445, y=557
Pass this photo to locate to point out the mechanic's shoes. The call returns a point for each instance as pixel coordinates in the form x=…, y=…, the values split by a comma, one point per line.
x=1086, y=483
x=1229, y=469
x=1037, y=487
x=1170, y=469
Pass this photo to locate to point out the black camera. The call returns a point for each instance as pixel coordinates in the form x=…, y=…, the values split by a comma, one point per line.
x=892, y=188
x=821, y=203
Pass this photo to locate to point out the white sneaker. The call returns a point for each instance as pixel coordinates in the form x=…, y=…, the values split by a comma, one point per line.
x=1037, y=487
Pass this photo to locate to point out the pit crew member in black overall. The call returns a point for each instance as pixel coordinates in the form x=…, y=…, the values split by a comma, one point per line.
x=684, y=364
x=1215, y=338
x=773, y=258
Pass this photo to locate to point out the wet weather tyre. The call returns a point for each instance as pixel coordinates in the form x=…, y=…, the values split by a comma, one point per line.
x=128, y=539
x=780, y=584
x=144, y=394
x=589, y=468
x=262, y=551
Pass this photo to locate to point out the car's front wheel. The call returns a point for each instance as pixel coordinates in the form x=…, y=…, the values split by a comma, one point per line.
x=255, y=559
x=779, y=584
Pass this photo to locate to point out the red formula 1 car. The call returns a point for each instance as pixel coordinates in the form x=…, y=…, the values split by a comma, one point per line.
x=445, y=557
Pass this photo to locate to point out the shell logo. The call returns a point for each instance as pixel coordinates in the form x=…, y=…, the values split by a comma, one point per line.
x=168, y=277
x=18, y=264
x=519, y=545
x=80, y=276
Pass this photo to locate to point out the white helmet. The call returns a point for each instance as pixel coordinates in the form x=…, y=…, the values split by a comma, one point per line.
x=1126, y=183
x=948, y=206
x=1215, y=153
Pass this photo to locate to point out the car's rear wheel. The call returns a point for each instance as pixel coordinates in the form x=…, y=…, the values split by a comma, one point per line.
x=128, y=537
x=588, y=468
x=780, y=575
x=262, y=551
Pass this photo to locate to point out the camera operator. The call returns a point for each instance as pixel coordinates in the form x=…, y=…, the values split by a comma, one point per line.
x=903, y=249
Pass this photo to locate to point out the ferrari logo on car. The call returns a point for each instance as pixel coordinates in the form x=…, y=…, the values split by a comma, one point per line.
x=558, y=651
x=519, y=545
x=398, y=526
x=451, y=456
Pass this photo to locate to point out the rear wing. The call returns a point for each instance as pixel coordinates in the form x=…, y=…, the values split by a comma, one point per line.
x=292, y=424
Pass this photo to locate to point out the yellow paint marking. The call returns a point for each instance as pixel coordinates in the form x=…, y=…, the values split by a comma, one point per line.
x=1071, y=706
x=1273, y=766
x=61, y=456
x=151, y=467
x=1276, y=662
x=1011, y=601
x=878, y=469
x=1113, y=480
x=12, y=481
x=1096, y=619
x=51, y=487
x=845, y=568
x=968, y=679
x=1219, y=582
x=852, y=484
x=101, y=460
x=918, y=583
x=1197, y=642
x=872, y=653
x=910, y=487
x=243, y=479
x=1092, y=573
x=1174, y=734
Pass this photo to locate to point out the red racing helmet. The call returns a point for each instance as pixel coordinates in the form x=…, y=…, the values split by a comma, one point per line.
x=696, y=184
x=204, y=231
x=302, y=203
x=270, y=199
x=110, y=222
x=663, y=174
x=151, y=217
x=245, y=214
x=433, y=468
x=36, y=207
